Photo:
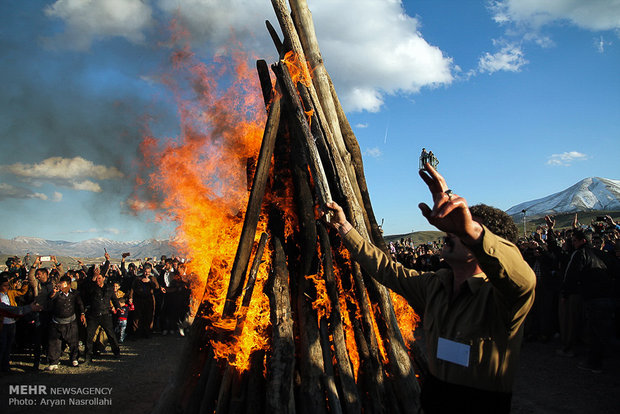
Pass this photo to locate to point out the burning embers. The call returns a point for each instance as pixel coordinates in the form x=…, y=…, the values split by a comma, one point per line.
x=286, y=320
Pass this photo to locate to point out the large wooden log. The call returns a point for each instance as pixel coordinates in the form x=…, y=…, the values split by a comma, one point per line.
x=401, y=367
x=255, y=396
x=255, y=201
x=249, y=287
x=292, y=98
x=358, y=164
x=280, y=47
x=302, y=18
x=265, y=81
x=312, y=395
x=350, y=393
x=328, y=381
x=291, y=37
x=282, y=362
x=370, y=373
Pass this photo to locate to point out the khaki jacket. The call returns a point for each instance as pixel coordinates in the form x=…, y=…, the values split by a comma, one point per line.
x=487, y=315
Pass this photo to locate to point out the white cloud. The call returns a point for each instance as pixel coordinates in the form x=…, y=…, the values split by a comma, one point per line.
x=91, y=230
x=595, y=15
x=9, y=191
x=88, y=20
x=387, y=54
x=509, y=58
x=57, y=197
x=374, y=152
x=361, y=126
x=525, y=20
x=63, y=168
x=69, y=172
x=566, y=159
x=86, y=185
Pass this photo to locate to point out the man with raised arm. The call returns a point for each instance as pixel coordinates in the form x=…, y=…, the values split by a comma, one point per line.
x=472, y=313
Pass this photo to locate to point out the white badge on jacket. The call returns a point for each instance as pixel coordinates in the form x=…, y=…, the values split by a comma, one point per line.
x=452, y=351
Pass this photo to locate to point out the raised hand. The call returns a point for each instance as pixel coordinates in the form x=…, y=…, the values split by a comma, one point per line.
x=575, y=221
x=450, y=212
x=550, y=222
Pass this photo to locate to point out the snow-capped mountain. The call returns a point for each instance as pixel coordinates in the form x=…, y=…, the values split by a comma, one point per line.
x=589, y=194
x=87, y=248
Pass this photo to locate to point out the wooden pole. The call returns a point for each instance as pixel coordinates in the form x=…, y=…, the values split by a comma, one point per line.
x=328, y=381
x=281, y=365
x=252, y=213
x=311, y=370
x=350, y=394
x=358, y=164
x=318, y=173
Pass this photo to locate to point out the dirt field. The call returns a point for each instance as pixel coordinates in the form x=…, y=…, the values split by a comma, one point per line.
x=545, y=383
x=136, y=379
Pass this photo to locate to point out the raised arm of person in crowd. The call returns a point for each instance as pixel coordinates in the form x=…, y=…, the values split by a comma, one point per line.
x=31, y=275
x=552, y=240
x=16, y=311
x=610, y=221
x=58, y=265
x=575, y=223
x=106, y=265
x=83, y=266
x=123, y=267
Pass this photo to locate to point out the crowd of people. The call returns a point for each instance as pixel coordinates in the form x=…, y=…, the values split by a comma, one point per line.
x=577, y=296
x=45, y=309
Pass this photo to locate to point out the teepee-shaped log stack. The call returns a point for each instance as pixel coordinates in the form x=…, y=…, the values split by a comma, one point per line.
x=335, y=344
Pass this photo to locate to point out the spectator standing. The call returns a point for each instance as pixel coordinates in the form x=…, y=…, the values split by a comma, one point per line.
x=99, y=294
x=66, y=308
x=142, y=297
x=42, y=287
x=588, y=272
x=8, y=313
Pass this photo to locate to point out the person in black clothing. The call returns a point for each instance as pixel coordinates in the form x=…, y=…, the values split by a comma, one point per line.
x=142, y=297
x=128, y=273
x=42, y=286
x=66, y=304
x=98, y=295
x=588, y=272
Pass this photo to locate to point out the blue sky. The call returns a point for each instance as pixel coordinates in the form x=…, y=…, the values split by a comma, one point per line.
x=517, y=99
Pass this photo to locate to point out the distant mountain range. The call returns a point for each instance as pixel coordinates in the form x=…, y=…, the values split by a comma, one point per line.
x=589, y=194
x=87, y=248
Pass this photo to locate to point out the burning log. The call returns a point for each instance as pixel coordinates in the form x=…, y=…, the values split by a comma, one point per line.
x=282, y=361
x=334, y=344
x=254, y=205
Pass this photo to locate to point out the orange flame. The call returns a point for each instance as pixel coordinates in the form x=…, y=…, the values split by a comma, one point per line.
x=407, y=318
x=321, y=304
x=198, y=180
x=298, y=69
x=346, y=322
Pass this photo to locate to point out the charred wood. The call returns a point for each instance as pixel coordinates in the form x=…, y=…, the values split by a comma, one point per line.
x=328, y=380
x=255, y=201
x=281, y=364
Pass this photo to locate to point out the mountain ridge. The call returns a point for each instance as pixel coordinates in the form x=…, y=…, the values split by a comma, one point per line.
x=95, y=247
x=589, y=194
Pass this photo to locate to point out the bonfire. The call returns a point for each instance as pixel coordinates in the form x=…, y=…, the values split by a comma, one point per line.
x=285, y=322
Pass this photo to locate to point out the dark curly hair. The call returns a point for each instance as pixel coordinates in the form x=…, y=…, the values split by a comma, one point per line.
x=496, y=220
